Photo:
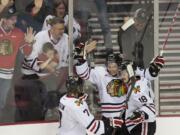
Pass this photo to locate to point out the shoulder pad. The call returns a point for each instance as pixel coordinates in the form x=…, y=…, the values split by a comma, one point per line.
x=71, y=102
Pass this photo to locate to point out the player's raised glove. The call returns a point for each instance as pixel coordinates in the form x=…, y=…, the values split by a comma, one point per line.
x=136, y=118
x=79, y=47
x=78, y=53
x=155, y=66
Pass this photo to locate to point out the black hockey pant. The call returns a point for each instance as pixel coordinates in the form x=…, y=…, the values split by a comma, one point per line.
x=147, y=128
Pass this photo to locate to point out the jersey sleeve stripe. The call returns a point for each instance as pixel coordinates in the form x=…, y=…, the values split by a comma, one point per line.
x=138, y=120
x=150, y=108
x=28, y=60
x=97, y=127
x=90, y=124
x=31, y=65
x=93, y=127
x=86, y=76
x=85, y=71
x=82, y=68
x=129, y=123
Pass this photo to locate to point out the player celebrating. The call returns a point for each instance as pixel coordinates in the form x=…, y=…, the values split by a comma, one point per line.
x=75, y=117
x=140, y=113
x=107, y=79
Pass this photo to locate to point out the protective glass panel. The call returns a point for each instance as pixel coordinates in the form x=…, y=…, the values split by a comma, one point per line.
x=169, y=24
x=126, y=27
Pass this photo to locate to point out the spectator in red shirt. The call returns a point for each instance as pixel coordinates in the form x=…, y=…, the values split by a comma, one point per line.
x=11, y=40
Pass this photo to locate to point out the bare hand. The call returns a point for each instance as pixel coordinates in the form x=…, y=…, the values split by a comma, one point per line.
x=6, y=3
x=51, y=56
x=38, y=3
x=90, y=47
x=29, y=35
x=51, y=68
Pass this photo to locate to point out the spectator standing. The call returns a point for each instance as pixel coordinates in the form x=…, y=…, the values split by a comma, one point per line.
x=60, y=10
x=11, y=40
x=33, y=15
x=59, y=40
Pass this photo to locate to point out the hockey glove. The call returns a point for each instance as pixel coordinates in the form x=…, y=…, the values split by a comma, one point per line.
x=79, y=47
x=78, y=55
x=136, y=118
x=111, y=123
x=156, y=64
x=116, y=122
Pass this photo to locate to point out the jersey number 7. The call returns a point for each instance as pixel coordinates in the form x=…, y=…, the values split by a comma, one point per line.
x=86, y=112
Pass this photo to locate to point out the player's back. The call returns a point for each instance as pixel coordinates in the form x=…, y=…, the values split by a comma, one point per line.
x=68, y=118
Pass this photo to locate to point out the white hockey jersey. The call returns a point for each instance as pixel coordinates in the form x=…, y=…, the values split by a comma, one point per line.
x=76, y=119
x=76, y=26
x=140, y=100
x=30, y=66
x=111, y=106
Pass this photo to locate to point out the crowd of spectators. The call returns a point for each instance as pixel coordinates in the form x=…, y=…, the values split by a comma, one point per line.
x=38, y=29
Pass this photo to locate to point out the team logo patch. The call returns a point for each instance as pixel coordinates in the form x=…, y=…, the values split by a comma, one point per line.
x=116, y=88
x=78, y=102
x=136, y=89
x=6, y=47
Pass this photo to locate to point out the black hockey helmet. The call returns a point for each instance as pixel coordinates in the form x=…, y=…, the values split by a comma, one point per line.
x=114, y=58
x=74, y=85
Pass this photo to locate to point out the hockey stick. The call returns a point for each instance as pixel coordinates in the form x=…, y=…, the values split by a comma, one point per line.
x=164, y=16
x=170, y=30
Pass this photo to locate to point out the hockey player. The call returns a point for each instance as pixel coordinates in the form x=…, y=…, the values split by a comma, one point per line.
x=75, y=117
x=140, y=113
x=106, y=79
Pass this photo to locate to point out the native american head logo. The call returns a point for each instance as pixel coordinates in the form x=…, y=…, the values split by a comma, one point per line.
x=6, y=47
x=116, y=88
